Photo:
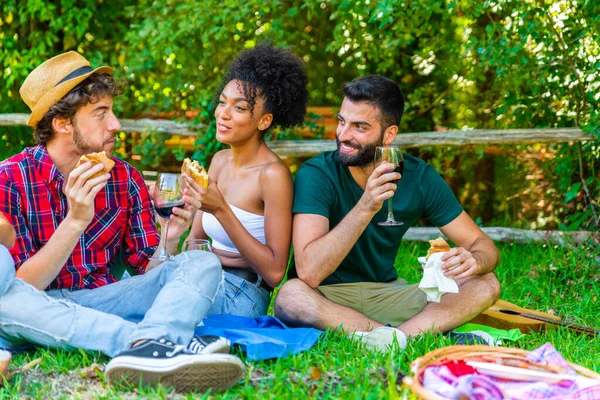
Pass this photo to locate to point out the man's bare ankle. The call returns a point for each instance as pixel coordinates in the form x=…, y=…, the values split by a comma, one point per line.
x=139, y=342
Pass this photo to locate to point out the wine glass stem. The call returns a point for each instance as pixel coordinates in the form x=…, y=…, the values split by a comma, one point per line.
x=164, y=251
x=390, y=216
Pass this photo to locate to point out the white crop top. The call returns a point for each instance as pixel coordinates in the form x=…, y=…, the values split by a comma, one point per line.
x=254, y=224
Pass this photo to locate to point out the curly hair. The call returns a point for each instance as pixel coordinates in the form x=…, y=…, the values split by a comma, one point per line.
x=90, y=90
x=275, y=74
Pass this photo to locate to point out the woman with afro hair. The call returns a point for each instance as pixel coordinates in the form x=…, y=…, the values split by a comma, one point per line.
x=247, y=208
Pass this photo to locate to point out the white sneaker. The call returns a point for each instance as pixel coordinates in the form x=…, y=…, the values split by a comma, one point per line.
x=381, y=339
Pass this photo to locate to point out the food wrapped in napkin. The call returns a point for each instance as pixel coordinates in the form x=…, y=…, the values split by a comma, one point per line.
x=434, y=282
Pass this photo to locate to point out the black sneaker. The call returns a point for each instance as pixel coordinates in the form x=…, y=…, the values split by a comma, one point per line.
x=162, y=361
x=208, y=344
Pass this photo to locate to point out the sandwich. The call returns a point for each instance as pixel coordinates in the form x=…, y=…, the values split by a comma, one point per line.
x=195, y=171
x=97, y=158
x=438, y=245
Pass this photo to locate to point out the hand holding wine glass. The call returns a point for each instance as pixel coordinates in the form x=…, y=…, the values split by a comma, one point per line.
x=166, y=195
x=391, y=154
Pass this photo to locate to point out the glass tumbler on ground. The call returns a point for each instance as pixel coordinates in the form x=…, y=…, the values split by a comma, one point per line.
x=197, y=244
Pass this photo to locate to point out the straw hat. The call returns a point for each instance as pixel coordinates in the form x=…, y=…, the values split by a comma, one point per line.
x=52, y=80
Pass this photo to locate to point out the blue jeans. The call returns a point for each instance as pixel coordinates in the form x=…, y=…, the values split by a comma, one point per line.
x=239, y=297
x=170, y=301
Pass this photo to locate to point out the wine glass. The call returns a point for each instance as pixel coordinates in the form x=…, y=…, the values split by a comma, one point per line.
x=197, y=244
x=392, y=154
x=167, y=194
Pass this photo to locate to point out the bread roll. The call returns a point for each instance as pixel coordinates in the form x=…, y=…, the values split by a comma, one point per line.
x=97, y=158
x=195, y=171
x=438, y=245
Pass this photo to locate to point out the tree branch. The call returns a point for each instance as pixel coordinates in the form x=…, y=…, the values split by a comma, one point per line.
x=561, y=42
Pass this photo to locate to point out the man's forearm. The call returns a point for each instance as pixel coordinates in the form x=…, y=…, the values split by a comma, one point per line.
x=7, y=234
x=322, y=256
x=41, y=269
x=486, y=254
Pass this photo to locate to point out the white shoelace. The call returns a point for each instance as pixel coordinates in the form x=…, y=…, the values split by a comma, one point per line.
x=196, y=346
x=178, y=349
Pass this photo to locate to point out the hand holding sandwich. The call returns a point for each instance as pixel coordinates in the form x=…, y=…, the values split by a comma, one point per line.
x=201, y=192
x=83, y=184
x=459, y=263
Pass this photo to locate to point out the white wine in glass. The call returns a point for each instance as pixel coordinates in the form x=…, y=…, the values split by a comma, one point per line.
x=167, y=194
x=391, y=154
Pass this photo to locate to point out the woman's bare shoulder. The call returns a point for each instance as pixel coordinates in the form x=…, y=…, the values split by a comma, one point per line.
x=275, y=172
x=219, y=160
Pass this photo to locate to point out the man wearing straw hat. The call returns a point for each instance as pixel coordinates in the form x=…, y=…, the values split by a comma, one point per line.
x=72, y=221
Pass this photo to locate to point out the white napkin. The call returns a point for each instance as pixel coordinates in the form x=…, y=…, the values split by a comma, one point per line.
x=434, y=282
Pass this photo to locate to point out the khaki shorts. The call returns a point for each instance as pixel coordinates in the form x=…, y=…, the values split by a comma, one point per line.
x=388, y=303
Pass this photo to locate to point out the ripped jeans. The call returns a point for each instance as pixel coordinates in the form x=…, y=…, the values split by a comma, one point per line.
x=170, y=300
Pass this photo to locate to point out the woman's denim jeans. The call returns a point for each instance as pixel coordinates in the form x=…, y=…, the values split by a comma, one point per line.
x=237, y=296
x=168, y=301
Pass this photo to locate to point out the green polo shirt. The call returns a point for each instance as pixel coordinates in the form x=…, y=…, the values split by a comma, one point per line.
x=325, y=187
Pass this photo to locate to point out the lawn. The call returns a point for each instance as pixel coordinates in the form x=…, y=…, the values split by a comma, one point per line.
x=546, y=278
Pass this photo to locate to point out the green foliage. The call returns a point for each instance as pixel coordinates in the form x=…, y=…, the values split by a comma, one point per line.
x=33, y=30
x=462, y=65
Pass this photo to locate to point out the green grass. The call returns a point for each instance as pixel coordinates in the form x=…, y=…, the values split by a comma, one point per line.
x=532, y=276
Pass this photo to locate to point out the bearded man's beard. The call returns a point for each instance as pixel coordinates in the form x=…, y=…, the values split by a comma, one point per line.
x=365, y=155
x=80, y=143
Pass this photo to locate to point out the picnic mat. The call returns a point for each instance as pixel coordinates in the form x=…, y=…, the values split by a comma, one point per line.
x=260, y=338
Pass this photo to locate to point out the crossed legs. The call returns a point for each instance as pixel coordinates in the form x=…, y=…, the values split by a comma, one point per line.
x=297, y=304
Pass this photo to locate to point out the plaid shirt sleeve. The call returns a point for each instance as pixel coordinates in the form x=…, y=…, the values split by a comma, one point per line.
x=141, y=236
x=10, y=205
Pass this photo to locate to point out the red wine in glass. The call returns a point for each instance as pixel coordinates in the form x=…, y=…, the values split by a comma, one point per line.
x=399, y=169
x=166, y=209
x=167, y=194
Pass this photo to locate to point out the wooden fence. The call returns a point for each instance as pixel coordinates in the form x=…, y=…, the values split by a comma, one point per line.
x=307, y=148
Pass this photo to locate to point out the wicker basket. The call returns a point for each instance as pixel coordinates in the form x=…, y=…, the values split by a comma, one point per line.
x=466, y=353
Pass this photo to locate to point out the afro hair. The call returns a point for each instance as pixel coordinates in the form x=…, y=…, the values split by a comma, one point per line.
x=275, y=74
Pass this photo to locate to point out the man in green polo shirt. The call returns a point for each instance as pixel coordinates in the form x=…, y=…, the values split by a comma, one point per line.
x=343, y=273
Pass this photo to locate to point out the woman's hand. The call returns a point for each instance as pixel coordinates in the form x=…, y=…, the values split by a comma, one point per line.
x=208, y=199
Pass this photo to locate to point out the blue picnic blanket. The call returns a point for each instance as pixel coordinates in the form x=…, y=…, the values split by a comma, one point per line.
x=260, y=338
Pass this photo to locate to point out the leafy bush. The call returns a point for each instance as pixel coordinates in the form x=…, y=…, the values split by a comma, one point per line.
x=462, y=64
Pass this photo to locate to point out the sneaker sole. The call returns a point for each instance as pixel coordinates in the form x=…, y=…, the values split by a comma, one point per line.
x=221, y=347
x=195, y=374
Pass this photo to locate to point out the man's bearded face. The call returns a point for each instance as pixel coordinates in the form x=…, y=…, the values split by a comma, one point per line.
x=365, y=153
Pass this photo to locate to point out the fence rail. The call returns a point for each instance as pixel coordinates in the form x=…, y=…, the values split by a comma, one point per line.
x=307, y=148
x=513, y=235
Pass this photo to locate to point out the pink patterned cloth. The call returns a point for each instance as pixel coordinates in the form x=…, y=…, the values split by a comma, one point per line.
x=441, y=380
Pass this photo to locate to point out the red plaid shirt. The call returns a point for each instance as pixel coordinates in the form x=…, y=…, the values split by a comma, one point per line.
x=31, y=198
